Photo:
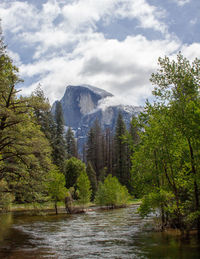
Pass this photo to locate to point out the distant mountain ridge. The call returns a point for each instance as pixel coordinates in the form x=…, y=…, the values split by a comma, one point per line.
x=83, y=104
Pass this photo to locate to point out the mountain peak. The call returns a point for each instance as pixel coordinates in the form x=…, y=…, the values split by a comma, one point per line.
x=80, y=100
x=101, y=92
x=83, y=104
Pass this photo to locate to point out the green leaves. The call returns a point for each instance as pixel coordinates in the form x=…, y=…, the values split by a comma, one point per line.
x=56, y=185
x=167, y=159
x=72, y=170
x=111, y=193
x=83, y=188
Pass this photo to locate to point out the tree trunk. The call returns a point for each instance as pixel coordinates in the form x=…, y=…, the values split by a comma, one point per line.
x=196, y=190
x=56, y=207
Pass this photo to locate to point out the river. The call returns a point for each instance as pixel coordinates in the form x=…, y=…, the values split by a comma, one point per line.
x=119, y=233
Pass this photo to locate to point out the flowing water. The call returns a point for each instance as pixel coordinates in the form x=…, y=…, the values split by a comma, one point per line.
x=117, y=233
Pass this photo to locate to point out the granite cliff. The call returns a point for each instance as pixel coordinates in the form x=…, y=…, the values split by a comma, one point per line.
x=83, y=104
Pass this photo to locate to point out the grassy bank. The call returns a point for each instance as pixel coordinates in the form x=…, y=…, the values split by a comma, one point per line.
x=48, y=207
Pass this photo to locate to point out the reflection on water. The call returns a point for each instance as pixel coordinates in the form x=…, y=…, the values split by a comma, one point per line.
x=6, y=221
x=99, y=234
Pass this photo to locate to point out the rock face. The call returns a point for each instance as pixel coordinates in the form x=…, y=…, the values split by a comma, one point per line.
x=79, y=101
x=82, y=105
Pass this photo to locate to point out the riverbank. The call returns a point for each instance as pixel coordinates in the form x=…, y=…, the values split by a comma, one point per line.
x=48, y=208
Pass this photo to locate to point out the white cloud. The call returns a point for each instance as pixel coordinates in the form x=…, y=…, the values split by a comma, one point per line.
x=37, y=27
x=15, y=57
x=193, y=21
x=148, y=16
x=191, y=51
x=109, y=64
x=68, y=49
x=182, y=2
x=18, y=16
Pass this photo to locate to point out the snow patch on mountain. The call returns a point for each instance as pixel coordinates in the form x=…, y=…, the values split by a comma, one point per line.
x=86, y=104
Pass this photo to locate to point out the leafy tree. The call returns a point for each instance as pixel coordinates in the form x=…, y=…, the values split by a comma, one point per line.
x=24, y=150
x=27, y=172
x=6, y=197
x=84, y=188
x=111, y=193
x=56, y=187
x=72, y=170
x=12, y=110
x=167, y=158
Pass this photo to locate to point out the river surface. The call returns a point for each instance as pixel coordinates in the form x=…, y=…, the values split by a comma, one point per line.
x=117, y=233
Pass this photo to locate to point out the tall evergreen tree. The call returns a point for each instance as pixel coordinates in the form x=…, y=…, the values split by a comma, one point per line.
x=95, y=148
x=43, y=114
x=59, y=151
x=109, y=151
x=121, y=152
x=92, y=177
x=71, y=145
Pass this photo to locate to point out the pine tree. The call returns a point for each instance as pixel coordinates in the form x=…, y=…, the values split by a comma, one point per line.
x=108, y=158
x=121, y=148
x=59, y=151
x=92, y=177
x=43, y=114
x=95, y=148
x=71, y=144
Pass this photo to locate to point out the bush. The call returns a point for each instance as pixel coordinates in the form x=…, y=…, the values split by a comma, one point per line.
x=56, y=186
x=84, y=188
x=73, y=169
x=111, y=193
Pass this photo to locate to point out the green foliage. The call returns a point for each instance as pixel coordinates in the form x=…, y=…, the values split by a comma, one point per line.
x=93, y=180
x=121, y=152
x=83, y=188
x=111, y=193
x=59, y=148
x=94, y=152
x=24, y=149
x=56, y=185
x=167, y=158
x=72, y=170
x=71, y=144
x=42, y=112
x=103, y=174
x=6, y=197
x=154, y=200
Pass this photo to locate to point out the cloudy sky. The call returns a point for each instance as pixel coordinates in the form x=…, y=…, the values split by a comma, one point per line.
x=111, y=44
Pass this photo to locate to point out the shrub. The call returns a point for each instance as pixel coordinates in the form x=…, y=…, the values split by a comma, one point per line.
x=84, y=188
x=111, y=193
